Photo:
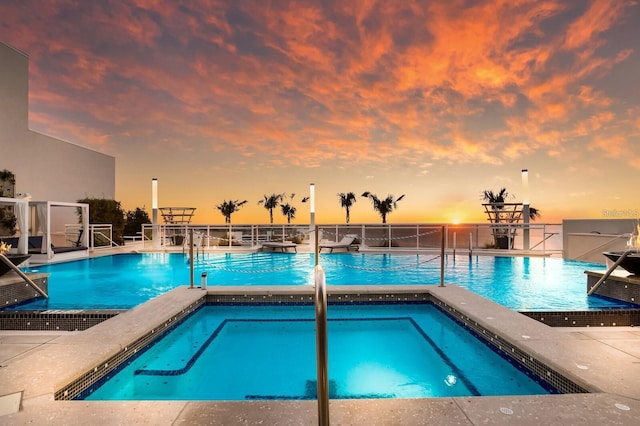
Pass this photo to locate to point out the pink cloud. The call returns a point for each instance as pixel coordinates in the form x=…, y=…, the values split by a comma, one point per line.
x=365, y=81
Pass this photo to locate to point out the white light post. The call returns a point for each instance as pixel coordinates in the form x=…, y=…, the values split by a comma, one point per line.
x=525, y=209
x=154, y=210
x=312, y=220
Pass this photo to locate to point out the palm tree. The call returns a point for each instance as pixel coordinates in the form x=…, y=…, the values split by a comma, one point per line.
x=227, y=208
x=383, y=207
x=534, y=213
x=271, y=202
x=494, y=198
x=289, y=211
x=346, y=201
x=498, y=199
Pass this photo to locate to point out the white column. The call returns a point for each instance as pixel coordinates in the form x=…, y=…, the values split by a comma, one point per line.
x=154, y=209
x=525, y=209
x=312, y=219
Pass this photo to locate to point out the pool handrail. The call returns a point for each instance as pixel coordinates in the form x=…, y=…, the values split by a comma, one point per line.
x=609, y=271
x=22, y=275
x=322, y=369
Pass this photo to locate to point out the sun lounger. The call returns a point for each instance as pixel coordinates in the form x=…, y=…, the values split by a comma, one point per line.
x=347, y=242
x=280, y=246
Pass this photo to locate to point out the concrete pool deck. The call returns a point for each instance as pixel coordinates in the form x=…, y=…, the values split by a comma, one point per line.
x=604, y=360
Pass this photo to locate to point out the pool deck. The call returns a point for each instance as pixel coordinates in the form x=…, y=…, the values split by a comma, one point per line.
x=606, y=361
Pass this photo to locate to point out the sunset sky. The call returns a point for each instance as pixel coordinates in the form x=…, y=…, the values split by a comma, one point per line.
x=438, y=100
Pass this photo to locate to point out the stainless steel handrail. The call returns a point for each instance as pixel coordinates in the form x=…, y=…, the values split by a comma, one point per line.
x=22, y=275
x=599, y=247
x=321, y=347
x=609, y=272
x=321, y=340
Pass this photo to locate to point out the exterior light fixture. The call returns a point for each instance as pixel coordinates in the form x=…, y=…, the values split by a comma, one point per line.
x=154, y=210
x=525, y=209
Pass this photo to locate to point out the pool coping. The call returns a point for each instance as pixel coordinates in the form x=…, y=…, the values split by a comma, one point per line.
x=586, y=362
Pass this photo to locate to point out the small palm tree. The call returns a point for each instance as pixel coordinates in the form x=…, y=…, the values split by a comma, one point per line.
x=383, y=207
x=495, y=198
x=289, y=211
x=498, y=199
x=271, y=202
x=227, y=208
x=346, y=201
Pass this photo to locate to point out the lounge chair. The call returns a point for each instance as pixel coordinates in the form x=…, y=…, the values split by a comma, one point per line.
x=347, y=242
x=280, y=246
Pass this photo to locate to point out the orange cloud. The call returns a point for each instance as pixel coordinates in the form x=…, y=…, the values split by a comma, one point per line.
x=599, y=17
x=303, y=83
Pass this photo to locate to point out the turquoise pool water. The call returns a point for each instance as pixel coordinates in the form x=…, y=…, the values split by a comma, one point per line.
x=127, y=280
x=268, y=353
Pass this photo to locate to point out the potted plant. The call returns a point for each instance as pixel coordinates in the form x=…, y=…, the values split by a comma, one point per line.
x=8, y=220
x=503, y=215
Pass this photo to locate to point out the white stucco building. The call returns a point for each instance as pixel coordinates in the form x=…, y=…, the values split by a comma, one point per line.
x=45, y=167
x=49, y=169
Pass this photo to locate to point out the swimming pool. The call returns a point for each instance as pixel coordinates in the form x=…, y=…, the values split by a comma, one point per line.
x=127, y=280
x=268, y=353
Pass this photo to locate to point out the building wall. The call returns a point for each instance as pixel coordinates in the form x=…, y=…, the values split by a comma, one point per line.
x=45, y=167
x=586, y=239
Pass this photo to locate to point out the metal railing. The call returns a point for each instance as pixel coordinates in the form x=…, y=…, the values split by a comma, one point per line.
x=100, y=235
x=322, y=362
x=602, y=246
x=544, y=238
x=609, y=271
x=22, y=275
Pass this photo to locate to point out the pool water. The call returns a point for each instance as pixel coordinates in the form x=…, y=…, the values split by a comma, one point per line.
x=268, y=353
x=127, y=280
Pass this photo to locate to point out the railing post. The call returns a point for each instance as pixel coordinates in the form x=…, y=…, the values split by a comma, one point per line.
x=254, y=235
x=316, y=246
x=442, y=258
x=191, y=256
x=454, y=244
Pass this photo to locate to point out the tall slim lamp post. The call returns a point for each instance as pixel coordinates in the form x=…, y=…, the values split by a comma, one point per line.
x=312, y=219
x=525, y=209
x=154, y=215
